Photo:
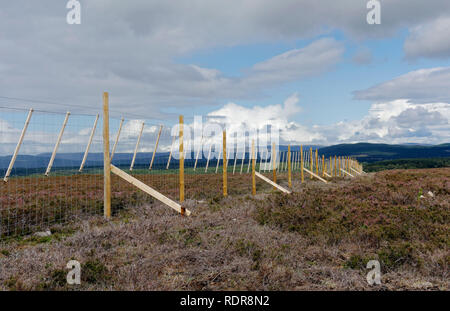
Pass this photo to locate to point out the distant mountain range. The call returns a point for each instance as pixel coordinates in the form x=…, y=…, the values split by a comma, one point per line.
x=364, y=152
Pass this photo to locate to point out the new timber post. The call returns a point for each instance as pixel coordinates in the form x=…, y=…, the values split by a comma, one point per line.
x=106, y=159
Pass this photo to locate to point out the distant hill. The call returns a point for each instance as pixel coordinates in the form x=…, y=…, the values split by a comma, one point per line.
x=406, y=164
x=365, y=152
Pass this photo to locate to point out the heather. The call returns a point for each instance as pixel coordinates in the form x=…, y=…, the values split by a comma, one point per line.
x=318, y=238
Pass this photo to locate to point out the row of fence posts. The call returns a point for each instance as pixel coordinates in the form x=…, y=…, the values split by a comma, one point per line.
x=341, y=164
x=304, y=161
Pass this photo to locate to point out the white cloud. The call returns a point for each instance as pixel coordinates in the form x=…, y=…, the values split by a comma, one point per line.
x=238, y=118
x=424, y=85
x=130, y=50
x=397, y=121
x=429, y=40
x=313, y=59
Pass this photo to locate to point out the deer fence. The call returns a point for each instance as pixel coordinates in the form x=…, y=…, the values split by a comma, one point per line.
x=58, y=167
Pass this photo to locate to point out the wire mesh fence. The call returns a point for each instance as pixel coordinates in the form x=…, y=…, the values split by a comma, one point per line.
x=53, y=165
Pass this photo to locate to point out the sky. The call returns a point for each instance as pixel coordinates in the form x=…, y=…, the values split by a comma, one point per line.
x=317, y=69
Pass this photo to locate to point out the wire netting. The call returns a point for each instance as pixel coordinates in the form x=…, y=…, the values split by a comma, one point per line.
x=57, y=175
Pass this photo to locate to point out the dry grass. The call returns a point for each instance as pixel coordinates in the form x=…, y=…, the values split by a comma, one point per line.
x=317, y=239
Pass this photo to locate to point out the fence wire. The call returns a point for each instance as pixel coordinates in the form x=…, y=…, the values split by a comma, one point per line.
x=57, y=173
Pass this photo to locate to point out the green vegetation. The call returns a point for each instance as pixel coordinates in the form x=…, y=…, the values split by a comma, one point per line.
x=381, y=152
x=382, y=214
x=320, y=237
x=406, y=164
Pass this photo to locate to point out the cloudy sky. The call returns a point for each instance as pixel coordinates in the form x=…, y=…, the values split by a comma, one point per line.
x=315, y=68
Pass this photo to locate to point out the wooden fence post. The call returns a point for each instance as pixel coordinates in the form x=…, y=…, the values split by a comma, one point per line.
x=218, y=161
x=150, y=191
x=289, y=166
x=339, y=166
x=225, y=190
x=58, y=141
x=106, y=159
x=280, y=161
x=249, y=161
x=311, y=165
x=181, y=151
x=16, y=151
x=331, y=167
x=235, y=159
x=317, y=161
x=293, y=161
x=285, y=163
x=209, y=156
x=274, y=163
x=117, y=139
x=242, y=162
x=323, y=165
x=334, y=167
x=156, y=147
x=302, y=164
x=89, y=144
x=253, y=168
x=198, y=154
x=170, y=154
x=137, y=146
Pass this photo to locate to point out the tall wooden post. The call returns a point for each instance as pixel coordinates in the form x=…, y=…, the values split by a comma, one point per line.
x=295, y=160
x=339, y=166
x=317, y=162
x=106, y=159
x=89, y=144
x=260, y=161
x=137, y=146
x=156, y=147
x=16, y=151
x=274, y=163
x=242, y=161
x=181, y=151
x=302, y=164
x=265, y=163
x=311, y=167
x=249, y=161
x=323, y=165
x=209, y=156
x=225, y=190
x=117, y=139
x=235, y=159
x=289, y=166
x=198, y=154
x=331, y=167
x=334, y=167
x=170, y=154
x=285, y=162
x=253, y=157
x=218, y=161
x=58, y=142
x=280, y=164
